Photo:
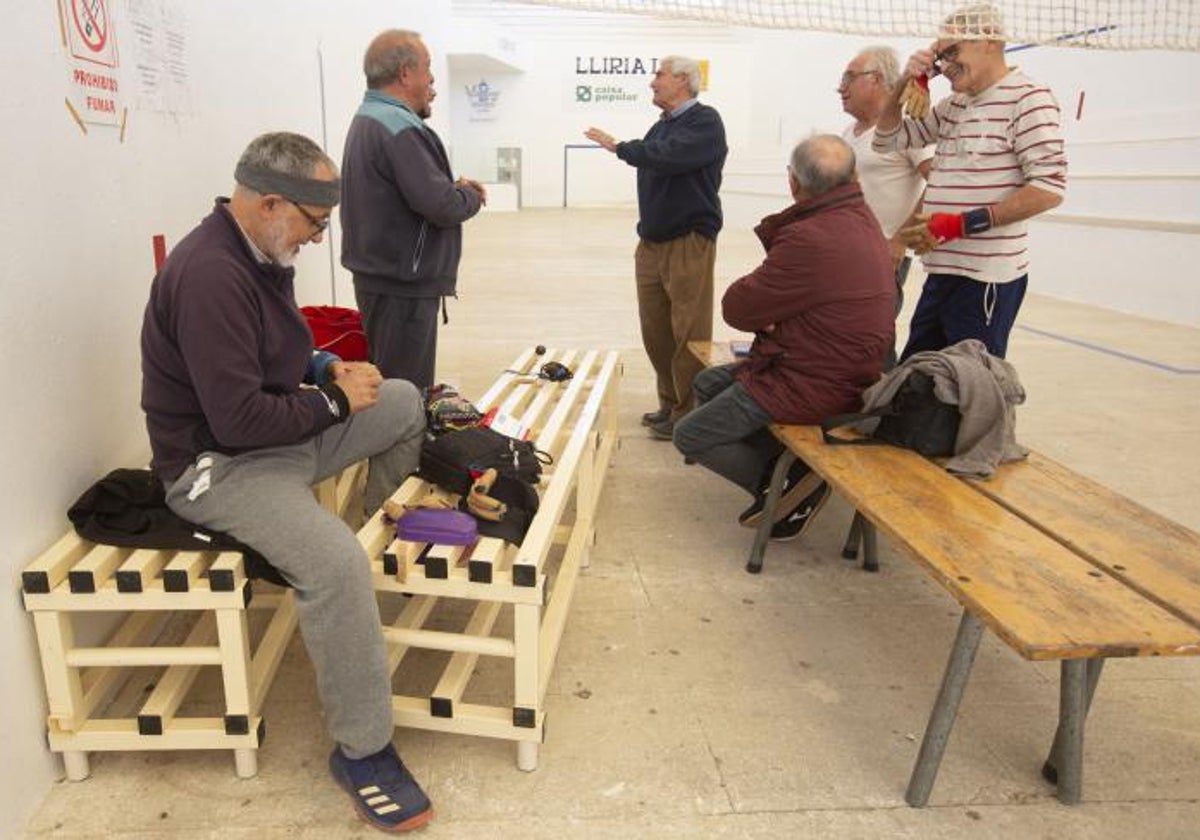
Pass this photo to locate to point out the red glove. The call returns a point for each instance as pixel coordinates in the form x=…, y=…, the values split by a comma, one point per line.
x=946, y=226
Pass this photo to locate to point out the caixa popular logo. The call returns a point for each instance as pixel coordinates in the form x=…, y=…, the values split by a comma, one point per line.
x=605, y=94
x=612, y=91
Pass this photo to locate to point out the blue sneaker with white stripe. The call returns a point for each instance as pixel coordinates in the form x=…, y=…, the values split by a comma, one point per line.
x=384, y=792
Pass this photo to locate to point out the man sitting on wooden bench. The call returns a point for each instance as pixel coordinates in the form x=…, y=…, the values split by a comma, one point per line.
x=822, y=307
x=238, y=443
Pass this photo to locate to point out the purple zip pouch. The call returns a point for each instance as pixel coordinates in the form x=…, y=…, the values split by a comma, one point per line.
x=434, y=525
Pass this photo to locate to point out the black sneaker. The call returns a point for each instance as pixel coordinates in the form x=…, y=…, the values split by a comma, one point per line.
x=652, y=418
x=799, y=483
x=664, y=430
x=797, y=522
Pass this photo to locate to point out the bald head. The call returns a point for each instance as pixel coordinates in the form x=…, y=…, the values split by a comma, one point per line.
x=390, y=52
x=821, y=163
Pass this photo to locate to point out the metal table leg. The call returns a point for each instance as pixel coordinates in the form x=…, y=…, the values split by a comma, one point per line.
x=1050, y=768
x=763, y=534
x=854, y=537
x=941, y=720
x=870, y=547
x=1072, y=710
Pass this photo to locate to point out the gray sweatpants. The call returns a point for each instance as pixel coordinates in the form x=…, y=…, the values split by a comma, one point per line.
x=264, y=499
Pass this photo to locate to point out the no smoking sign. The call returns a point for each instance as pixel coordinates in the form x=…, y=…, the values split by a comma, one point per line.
x=89, y=31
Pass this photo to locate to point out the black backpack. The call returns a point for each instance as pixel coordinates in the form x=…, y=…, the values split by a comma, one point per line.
x=916, y=419
x=455, y=459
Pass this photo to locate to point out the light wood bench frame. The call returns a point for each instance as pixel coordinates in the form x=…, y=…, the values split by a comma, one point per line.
x=75, y=578
x=576, y=422
x=1024, y=557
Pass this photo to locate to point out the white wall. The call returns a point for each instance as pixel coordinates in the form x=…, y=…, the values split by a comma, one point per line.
x=1134, y=163
x=1133, y=150
x=76, y=261
x=539, y=112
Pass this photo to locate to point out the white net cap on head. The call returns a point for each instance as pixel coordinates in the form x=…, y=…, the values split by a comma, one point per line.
x=977, y=21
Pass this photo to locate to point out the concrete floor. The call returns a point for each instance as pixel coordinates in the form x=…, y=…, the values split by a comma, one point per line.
x=693, y=700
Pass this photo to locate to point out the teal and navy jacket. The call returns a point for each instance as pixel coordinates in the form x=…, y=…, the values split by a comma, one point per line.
x=401, y=212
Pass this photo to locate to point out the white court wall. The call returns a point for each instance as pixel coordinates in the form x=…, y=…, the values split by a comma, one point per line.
x=1133, y=204
x=538, y=108
x=76, y=260
x=1127, y=237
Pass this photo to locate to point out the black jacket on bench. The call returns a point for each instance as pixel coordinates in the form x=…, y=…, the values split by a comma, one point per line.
x=128, y=508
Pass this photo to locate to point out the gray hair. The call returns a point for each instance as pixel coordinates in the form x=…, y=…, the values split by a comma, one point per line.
x=821, y=163
x=285, y=153
x=679, y=65
x=390, y=52
x=882, y=60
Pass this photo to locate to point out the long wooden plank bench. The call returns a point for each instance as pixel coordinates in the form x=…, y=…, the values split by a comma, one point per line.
x=178, y=612
x=576, y=423
x=1056, y=565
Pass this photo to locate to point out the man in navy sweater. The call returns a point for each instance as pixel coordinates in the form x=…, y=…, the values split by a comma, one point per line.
x=679, y=166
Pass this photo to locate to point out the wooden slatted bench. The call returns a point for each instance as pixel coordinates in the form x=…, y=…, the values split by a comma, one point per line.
x=1056, y=565
x=576, y=423
x=177, y=612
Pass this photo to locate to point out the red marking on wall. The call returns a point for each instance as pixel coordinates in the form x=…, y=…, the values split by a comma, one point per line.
x=160, y=251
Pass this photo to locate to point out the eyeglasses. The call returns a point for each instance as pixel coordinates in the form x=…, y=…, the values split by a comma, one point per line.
x=949, y=53
x=319, y=224
x=849, y=76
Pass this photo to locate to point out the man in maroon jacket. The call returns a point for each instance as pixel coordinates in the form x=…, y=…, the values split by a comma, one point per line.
x=821, y=307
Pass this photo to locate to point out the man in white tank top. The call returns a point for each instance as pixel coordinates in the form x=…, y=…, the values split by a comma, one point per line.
x=891, y=181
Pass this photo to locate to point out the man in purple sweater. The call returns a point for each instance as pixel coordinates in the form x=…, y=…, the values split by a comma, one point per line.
x=238, y=440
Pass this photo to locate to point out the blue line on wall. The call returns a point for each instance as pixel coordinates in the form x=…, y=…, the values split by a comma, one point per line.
x=1110, y=352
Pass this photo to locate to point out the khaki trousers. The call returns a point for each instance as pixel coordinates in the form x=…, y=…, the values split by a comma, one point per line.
x=675, y=305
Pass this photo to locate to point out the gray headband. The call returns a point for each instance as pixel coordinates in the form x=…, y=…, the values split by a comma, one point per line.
x=312, y=191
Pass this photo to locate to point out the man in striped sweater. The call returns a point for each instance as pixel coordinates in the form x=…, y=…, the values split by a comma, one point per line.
x=999, y=161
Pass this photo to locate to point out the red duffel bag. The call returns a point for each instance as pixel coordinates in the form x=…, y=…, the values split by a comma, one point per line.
x=337, y=330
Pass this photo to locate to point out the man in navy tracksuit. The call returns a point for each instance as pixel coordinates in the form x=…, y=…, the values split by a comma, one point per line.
x=402, y=210
x=679, y=166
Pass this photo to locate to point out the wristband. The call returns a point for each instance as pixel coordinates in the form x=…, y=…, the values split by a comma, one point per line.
x=948, y=226
x=318, y=367
x=977, y=221
x=336, y=399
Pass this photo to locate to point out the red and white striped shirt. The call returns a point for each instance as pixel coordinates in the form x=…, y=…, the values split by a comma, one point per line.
x=988, y=146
